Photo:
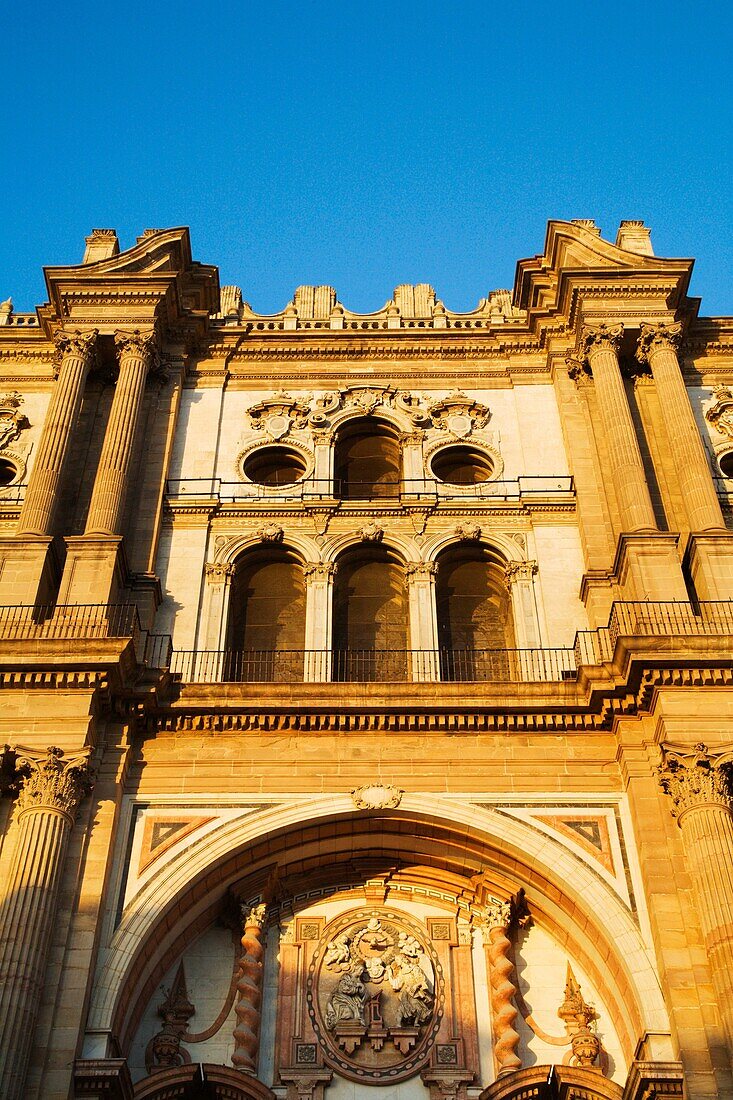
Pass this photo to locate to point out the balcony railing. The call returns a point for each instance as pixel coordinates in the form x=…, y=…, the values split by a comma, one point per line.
x=75, y=621
x=403, y=491
x=373, y=666
x=671, y=619
x=12, y=494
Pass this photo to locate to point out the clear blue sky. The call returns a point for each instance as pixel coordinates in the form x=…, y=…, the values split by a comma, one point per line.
x=365, y=145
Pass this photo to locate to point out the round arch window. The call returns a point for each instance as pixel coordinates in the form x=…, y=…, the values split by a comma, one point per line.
x=8, y=473
x=726, y=464
x=462, y=465
x=274, y=466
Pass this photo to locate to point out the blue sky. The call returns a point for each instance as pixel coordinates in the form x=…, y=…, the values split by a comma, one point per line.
x=365, y=145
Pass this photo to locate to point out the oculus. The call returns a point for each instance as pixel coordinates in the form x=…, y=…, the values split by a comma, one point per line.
x=461, y=465
x=274, y=466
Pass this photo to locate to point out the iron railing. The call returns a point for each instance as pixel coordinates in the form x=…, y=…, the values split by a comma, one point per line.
x=404, y=490
x=12, y=494
x=670, y=619
x=76, y=621
x=373, y=666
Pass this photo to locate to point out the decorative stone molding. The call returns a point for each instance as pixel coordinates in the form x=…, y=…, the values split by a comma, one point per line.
x=322, y=438
x=270, y=532
x=659, y=337
x=695, y=778
x=447, y=1083
x=306, y=1084
x=577, y=1017
x=249, y=991
x=319, y=570
x=52, y=782
x=412, y=439
x=371, y=532
x=12, y=422
x=459, y=414
x=421, y=570
x=720, y=414
x=218, y=572
x=467, y=532
x=279, y=414
x=520, y=571
x=601, y=337
x=377, y=796
x=293, y=443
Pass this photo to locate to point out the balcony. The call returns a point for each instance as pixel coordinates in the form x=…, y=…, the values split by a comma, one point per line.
x=417, y=491
x=80, y=623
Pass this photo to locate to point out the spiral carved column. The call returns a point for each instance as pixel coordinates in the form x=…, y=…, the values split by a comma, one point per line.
x=503, y=989
x=47, y=804
x=700, y=785
x=249, y=992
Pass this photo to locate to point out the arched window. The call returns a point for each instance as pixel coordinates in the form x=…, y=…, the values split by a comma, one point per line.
x=370, y=620
x=367, y=460
x=266, y=628
x=475, y=622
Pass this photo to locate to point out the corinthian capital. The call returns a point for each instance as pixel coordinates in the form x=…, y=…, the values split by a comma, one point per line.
x=601, y=337
x=52, y=782
x=76, y=342
x=655, y=338
x=695, y=778
x=142, y=344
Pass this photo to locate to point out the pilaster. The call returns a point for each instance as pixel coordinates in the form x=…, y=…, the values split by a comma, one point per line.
x=420, y=578
x=319, y=577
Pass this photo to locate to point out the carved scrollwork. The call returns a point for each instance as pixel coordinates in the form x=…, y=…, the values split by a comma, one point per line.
x=140, y=343
x=371, y=532
x=51, y=780
x=695, y=778
x=656, y=338
x=520, y=571
x=377, y=796
x=467, y=532
x=82, y=345
x=601, y=337
x=270, y=532
x=720, y=414
x=12, y=422
x=319, y=570
x=279, y=414
x=459, y=414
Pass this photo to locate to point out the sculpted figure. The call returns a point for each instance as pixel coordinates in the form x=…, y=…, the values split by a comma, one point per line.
x=410, y=981
x=337, y=951
x=347, y=1003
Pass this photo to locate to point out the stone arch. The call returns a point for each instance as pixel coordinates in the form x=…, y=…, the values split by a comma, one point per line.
x=553, y=1083
x=367, y=458
x=371, y=616
x=188, y=1082
x=451, y=840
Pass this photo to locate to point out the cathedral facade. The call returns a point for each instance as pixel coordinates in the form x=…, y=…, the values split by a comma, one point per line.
x=367, y=685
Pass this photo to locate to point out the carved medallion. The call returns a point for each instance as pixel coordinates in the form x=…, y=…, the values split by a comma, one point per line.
x=375, y=995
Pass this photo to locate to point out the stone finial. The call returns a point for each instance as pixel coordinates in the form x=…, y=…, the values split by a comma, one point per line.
x=52, y=782
x=164, y=1051
x=101, y=244
x=695, y=778
x=6, y=311
x=601, y=337
x=577, y=1017
x=634, y=236
x=656, y=338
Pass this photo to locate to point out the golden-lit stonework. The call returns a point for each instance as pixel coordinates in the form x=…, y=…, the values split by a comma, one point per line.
x=367, y=684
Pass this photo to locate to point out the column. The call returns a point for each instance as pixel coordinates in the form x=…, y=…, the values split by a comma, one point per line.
x=49, y=796
x=700, y=785
x=75, y=354
x=658, y=346
x=520, y=583
x=249, y=992
x=497, y=920
x=420, y=578
x=599, y=346
x=136, y=354
x=318, y=620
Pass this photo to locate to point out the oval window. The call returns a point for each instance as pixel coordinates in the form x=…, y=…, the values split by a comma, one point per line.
x=8, y=472
x=274, y=466
x=726, y=464
x=461, y=465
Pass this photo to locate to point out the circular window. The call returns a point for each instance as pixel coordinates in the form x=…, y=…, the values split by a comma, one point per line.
x=462, y=465
x=8, y=472
x=274, y=466
x=726, y=464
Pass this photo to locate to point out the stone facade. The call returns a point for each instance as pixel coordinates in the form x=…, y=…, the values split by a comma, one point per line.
x=367, y=685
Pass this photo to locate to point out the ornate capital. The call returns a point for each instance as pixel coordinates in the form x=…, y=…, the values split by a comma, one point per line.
x=140, y=344
x=254, y=916
x=600, y=337
x=578, y=370
x=420, y=570
x=77, y=343
x=319, y=570
x=217, y=572
x=695, y=778
x=659, y=337
x=520, y=571
x=52, y=782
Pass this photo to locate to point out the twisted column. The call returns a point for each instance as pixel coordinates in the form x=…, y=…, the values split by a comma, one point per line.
x=74, y=354
x=700, y=785
x=249, y=992
x=503, y=989
x=49, y=796
x=657, y=347
x=136, y=356
x=599, y=347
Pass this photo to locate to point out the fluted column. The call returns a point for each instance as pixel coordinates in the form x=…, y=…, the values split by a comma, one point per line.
x=75, y=354
x=47, y=803
x=700, y=785
x=599, y=347
x=249, y=992
x=658, y=346
x=136, y=354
